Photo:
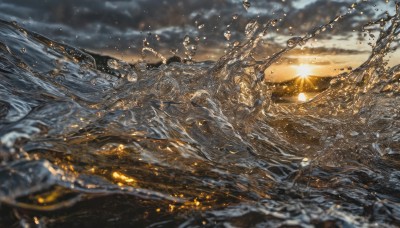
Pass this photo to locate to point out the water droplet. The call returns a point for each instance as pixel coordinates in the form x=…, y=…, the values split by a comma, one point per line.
x=200, y=26
x=235, y=16
x=293, y=42
x=23, y=50
x=190, y=48
x=186, y=39
x=146, y=43
x=227, y=35
x=273, y=22
x=251, y=27
x=246, y=4
x=305, y=162
x=113, y=64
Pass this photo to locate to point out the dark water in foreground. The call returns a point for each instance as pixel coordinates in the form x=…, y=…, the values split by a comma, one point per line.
x=105, y=143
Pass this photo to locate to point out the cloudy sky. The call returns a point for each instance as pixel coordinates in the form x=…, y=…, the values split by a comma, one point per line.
x=118, y=28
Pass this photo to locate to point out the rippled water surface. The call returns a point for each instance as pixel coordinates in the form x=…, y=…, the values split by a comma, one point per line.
x=90, y=140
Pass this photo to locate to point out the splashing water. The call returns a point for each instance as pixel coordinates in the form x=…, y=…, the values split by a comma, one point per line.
x=92, y=140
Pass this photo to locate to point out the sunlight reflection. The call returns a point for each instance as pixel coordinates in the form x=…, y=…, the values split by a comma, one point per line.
x=302, y=97
x=121, y=177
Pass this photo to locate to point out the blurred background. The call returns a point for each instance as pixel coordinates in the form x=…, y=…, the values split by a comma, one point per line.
x=120, y=28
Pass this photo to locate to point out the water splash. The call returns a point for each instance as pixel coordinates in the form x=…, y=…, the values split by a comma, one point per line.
x=191, y=143
x=246, y=4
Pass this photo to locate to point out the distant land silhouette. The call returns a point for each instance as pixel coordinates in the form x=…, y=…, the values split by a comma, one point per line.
x=292, y=87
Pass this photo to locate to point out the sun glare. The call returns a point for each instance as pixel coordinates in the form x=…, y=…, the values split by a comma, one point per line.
x=303, y=70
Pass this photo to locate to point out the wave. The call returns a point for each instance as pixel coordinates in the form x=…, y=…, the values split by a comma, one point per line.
x=89, y=139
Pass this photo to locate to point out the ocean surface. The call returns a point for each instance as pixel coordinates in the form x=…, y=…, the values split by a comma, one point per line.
x=90, y=140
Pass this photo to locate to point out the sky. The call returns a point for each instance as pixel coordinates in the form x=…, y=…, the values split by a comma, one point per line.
x=118, y=28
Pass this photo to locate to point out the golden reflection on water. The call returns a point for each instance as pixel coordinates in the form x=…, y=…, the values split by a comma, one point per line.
x=49, y=197
x=203, y=201
x=302, y=97
x=123, y=178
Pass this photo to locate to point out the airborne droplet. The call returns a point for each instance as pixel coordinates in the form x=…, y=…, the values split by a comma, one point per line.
x=246, y=4
x=227, y=35
x=294, y=41
x=146, y=43
x=290, y=43
x=305, y=162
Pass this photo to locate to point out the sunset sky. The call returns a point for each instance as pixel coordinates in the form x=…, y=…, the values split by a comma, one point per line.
x=118, y=28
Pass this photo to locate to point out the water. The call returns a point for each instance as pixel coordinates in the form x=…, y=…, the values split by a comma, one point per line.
x=90, y=140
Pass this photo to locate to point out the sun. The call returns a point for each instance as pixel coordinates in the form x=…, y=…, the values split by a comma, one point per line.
x=303, y=80
x=303, y=70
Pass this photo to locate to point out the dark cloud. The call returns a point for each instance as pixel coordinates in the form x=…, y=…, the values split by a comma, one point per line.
x=308, y=51
x=292, y=60
x=122, y=25
x=288, y=60
x=321, y=12
x=296, y=61
x=327, y=51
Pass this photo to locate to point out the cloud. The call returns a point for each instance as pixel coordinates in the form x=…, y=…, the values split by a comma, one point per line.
x=123, y=24
x=327, y=51
x=322, y=63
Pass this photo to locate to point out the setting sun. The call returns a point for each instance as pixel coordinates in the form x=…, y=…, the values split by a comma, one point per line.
x=303, y=70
